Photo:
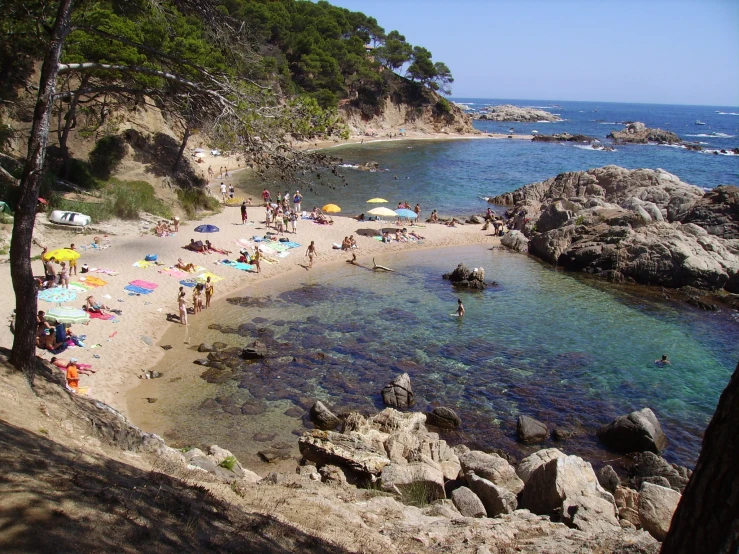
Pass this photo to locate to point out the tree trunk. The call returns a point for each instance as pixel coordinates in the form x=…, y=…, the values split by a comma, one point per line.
x=183, y=145
x=24, y=340
x=707, y=518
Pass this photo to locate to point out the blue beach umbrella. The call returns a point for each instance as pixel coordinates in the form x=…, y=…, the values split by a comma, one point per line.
x=57, y=294
x=206, y=229
x=410, y=214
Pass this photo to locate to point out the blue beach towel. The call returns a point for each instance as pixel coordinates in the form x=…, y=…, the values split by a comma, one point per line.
x=137, y=290
x=188, y=282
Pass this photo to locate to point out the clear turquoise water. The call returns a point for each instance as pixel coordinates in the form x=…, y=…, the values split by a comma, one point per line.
x=563, y=349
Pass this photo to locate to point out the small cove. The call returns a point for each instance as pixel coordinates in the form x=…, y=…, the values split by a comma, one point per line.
x=564, y=349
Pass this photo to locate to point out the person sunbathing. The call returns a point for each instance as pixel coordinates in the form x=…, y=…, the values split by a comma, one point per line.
x=210, y=248
x=82, y=368
x=93, y=305
x=183, y=266
x=314, y=214
x=346, y=244
x=196, y=246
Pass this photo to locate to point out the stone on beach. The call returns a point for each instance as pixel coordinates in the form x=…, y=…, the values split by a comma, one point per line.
x=323, y=417
x=493, y=468
x=442, y=417
x=496, y=499
x=468, y=503
x=657, y=505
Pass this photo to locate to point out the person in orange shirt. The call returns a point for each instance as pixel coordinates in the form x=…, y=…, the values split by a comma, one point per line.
x=73, y=378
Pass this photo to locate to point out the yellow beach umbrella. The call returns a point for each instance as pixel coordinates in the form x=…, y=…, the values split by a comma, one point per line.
x=386, y=212
x=376, y=201
x=331, y=209
x=61, y=255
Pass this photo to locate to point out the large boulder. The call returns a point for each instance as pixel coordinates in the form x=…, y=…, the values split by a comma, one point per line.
x=656, y=508
x=323, y=417
x=467, y=502
x=515, y=240
x=641, y=134
x=508, y=112
x=608, y=479
x=529, y=464
x=530, y=430
x=255, y=351
x=497, y=500
x=398, y=393
x=413, y=479
x=491, y=467
x=361, y=453
x=645, y=466
x=467, y=278
x=637, y=432
x=442, y=417
x=627, y=503
x=590, y=514
x=717, y=212
x=559, y=479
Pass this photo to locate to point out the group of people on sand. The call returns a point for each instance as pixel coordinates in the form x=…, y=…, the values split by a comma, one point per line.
x=55, y=337
x=281, y=219
x=201, y=291
x=284, y=200
x=72, y=369
x=348, y=243
x=204, y=247
x=53, y=278
x=400, y=236
x=166, y=228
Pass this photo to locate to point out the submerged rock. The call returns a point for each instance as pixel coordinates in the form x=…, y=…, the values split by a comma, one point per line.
x=323, y=417
x=446, y=418
x=531, y=431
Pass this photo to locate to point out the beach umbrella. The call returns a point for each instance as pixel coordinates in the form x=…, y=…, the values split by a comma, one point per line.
x=57, y=294
x=67, y=314
x=383, y=211
x=61, y=255
x=376, y=201
x=331, y=209
x=206, y=229
x=410, y=214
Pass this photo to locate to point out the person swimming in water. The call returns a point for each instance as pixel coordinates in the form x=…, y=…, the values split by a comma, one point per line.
x=663, y=360
x=460, y=308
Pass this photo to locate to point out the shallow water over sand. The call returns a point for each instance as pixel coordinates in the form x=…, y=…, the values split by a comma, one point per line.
x=566, y=350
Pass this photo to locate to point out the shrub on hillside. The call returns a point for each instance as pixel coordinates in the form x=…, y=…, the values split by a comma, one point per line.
x=107, y=155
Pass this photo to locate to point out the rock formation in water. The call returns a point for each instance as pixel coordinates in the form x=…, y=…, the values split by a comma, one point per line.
x=507, y=112
x=639, y=133
x=564, y=137
x=465, y=278
x=642, y=225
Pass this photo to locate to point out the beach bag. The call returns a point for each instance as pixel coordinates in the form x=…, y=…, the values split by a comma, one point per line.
x=151, y=258
x=84, y=268
x=284, y=239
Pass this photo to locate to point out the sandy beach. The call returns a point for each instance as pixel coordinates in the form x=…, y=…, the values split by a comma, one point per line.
x=121, y=349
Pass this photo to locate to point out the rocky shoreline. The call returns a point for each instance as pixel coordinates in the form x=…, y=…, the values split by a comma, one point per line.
x=643, y=226
x=514, y=114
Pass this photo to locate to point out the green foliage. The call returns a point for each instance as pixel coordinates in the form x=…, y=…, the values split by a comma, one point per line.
x=7, y=133
x=443, y=106
x=81, y=175
x=195, y=200
x=580, y=220
x=418, y=494
x=107, y=155
x=229, y=463
x=122, y=199
x=5, y=219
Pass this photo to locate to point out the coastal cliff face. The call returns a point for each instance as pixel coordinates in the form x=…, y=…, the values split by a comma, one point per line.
x=641, y=225
x=424, y=113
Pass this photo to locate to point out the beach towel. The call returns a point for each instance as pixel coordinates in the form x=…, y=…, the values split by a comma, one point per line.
x=203, y=276
x=137, y=290
x=174, y=272
x=79, y=287
x=93, y=281
x=104, y=271
x=98, y=315
x=143, y=264
x=240, y=265
x=144, y=284
x=188, y=282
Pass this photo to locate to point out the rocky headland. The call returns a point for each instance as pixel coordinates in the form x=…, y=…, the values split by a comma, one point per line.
x=564, y=137
x=639, y=133
x=508, y=112
x=644, y=226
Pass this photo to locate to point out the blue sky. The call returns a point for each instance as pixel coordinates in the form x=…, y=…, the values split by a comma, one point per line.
x=652, y=51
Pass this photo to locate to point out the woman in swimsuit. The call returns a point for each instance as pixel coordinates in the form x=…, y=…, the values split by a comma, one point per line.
x=208, y=292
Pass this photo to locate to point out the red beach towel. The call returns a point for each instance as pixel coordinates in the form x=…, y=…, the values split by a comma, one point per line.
x=98, y=315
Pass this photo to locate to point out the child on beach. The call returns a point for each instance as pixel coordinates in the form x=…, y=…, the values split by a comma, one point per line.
x=72, y=263
x=311, y=253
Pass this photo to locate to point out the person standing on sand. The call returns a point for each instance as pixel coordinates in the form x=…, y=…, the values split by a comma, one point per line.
x=224, y=190
x=210, y=172
x=72, y=263
x=243, y=213
x=460, y=308
x=297, y=199
x=64, y=276
x=311, y=252
x=256, y=259
x=182, y=304
x=209, y=290
x=417, y=209
x=294, y=221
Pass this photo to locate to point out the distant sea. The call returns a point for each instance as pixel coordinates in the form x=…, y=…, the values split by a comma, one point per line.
x=454, y=176
x=565, y=348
